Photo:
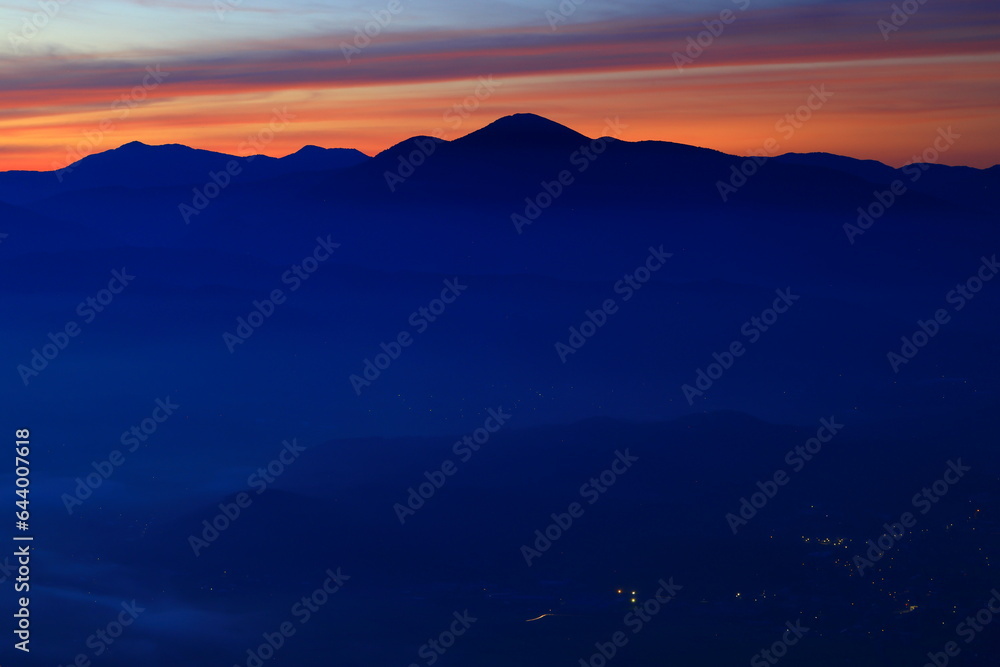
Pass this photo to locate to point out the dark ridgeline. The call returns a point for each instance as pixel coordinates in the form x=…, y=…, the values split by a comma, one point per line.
x=403, y=229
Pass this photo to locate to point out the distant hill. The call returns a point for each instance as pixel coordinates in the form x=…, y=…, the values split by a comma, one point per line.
x=138, y=166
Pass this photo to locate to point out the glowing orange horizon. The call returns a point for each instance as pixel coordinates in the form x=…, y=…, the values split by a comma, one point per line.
x=887, y=103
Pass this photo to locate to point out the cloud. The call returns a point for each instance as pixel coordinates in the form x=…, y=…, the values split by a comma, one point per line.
x=755, y=69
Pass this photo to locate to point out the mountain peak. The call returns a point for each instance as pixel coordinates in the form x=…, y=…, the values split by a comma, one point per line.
x=140, y=149
x=522, y=129
x=526, y=122
x=310, y=149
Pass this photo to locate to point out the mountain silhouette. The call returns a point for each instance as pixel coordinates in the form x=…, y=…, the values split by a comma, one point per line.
x=472, y=190
x=523, y=131
x=507, y=153
x=608, y=299
x=136, y=165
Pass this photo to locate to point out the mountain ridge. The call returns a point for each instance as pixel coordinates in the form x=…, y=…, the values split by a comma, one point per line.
x=137, y=164
x=500, y=170
x=514, y=130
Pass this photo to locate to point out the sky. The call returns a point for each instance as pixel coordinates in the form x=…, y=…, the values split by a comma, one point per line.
x=86, y=77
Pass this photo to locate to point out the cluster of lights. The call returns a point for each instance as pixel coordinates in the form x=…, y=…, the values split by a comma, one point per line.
x=880, y=582
x=632, y=598
x=826, y=541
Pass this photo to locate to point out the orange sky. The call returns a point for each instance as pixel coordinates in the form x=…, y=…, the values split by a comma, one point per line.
x=889, y=97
